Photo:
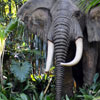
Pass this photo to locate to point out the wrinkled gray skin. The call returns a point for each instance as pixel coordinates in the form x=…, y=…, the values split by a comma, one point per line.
x=91, y=54
x=56, y=21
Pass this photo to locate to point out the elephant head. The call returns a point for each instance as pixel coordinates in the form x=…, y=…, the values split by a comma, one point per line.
x=93, y=24
x=56, y=22
x=91, y=45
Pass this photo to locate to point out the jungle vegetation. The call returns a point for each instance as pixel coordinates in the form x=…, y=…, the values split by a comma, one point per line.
x=23, y=57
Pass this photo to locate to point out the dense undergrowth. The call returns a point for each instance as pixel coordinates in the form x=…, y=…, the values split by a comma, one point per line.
x=41, y=88
x=22, y=61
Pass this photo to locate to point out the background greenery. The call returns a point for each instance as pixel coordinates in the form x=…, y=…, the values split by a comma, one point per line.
x=23, y=57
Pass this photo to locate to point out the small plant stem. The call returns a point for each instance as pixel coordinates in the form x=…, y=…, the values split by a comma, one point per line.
x=1, y=64
x=48, y=86
x=97, y=93
x=1, y=78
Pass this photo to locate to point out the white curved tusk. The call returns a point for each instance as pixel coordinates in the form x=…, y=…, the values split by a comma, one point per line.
x=49, y=55
x=78, y=55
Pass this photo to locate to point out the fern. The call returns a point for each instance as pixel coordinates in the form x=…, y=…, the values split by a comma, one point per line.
x=21, y=70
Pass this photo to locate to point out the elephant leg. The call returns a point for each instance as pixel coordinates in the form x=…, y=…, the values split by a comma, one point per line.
x=68, y=81
x=90, y=56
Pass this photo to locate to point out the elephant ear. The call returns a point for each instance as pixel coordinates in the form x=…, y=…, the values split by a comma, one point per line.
x=36, y=16
x=93, y=24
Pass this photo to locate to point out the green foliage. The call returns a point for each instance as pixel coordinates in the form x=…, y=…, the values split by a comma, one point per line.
x=14, y=91
x=21, y=48
x=43, y=97
x=67, y=98
x=24, y=54
x=2, y=33
x=21, y=70
x=90, y=92
x=86, y=5
x=12, y=25
x=3, y=97
x=22, y=96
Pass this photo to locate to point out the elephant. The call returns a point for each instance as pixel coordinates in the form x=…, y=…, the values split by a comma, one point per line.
x=59, y=23
x=91, y=52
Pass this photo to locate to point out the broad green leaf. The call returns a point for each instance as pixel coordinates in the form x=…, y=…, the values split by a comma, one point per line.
x=67, y=98
x=3, y=97
x=32, y=77
x=37, y=52
x=96, y=76
x=93, y=87
x=18, y=99
x=41, y=96
x=83, y=91
x=21, y=70
x=36, y=94
x=52, y=68
x=23, y=96
x=96, y=98
x=23, y=44
x=45, y=75
x=51, y=75
x=34, y=97
x=9, y=86
x=12, y=25
x=80, y=96
x=88, y=97
x=27, y=86
x=47, y=97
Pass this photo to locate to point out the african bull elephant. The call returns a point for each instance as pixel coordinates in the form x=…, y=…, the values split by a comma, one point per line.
x=56, y=21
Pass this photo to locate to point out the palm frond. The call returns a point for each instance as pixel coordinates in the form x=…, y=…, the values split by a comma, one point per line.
x=86, y=5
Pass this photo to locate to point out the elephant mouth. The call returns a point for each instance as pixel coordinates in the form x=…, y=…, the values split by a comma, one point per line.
x=78, y=55
x=77, y=58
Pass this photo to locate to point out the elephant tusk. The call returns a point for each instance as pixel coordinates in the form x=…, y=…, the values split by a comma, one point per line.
x=78, y=55
x=49, y=55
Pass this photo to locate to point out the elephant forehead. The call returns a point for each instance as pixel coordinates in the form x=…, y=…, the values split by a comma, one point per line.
x=93, y=24
x=95, y=12
x=93, y=30
x=67, y=6
x=32, y=5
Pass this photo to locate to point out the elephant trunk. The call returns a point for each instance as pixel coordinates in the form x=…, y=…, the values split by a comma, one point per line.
x=61, y=40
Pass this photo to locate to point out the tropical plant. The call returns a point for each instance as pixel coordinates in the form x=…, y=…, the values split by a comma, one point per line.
x=86, y=5
x=21, y=70
x=90, y=92
x=27, y=90
x=3, y=35
x=45, y=82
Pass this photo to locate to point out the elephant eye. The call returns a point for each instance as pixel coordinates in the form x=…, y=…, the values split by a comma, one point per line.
x=77, y=14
